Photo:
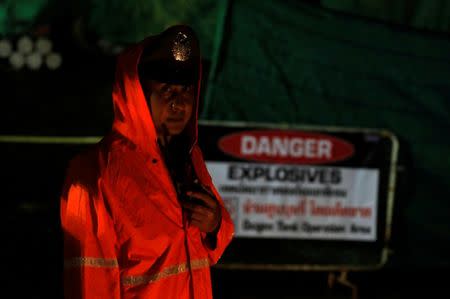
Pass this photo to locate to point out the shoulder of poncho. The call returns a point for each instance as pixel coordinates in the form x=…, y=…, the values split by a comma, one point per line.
x=116, y=153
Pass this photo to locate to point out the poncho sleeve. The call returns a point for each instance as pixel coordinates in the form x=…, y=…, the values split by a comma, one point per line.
x=91, y=268
x=226, y=229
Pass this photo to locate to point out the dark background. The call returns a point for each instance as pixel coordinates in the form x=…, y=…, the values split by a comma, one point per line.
x=336, y=63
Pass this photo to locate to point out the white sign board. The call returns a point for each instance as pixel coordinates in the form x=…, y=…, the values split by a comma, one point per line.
x=297, y=201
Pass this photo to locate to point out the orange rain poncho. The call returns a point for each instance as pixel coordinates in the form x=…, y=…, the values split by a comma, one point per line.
x=124, y=233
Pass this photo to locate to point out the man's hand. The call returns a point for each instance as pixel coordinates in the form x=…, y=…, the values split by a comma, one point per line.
x=207, y=215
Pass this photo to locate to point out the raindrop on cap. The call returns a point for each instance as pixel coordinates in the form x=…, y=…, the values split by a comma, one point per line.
x=181, y=48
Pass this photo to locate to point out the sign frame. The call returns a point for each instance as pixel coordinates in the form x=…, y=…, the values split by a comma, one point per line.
x=388, y=196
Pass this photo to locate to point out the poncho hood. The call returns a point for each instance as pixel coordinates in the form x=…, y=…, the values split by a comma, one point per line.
x=132, y=116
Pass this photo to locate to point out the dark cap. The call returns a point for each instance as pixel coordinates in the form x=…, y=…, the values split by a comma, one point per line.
x=172, y=56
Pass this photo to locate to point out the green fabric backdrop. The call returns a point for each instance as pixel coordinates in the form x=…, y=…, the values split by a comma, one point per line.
x=283, y=62
x=431, y=15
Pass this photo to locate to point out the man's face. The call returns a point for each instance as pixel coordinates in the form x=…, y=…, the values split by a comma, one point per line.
x=170, y=105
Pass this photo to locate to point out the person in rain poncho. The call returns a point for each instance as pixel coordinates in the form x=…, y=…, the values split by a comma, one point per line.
x=140, y=215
